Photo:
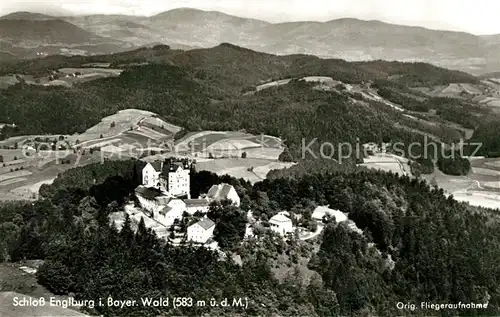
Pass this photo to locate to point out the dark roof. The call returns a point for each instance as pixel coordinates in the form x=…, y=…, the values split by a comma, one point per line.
x=165, y=210
x=225, y=190
x=219, y=192
x=156, y=165
x=148, y=193
x=206, y=223
x=170, y=166
x=196, y=202
x=163, y=200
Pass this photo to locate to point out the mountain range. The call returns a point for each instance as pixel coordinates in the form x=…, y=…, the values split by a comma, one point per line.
x=349, y=39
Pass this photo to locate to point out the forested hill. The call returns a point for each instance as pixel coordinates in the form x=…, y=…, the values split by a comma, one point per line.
x=416, y=246
x=252, y=68
x=204, y=89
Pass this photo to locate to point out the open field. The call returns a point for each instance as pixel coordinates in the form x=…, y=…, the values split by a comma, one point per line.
x=30, y=190
x=250, y=169
x=24, y=184
x=388, y=162
x=14, y=174
x=66, y=77
x=480, y=188
x=126, y=120
x=479, y=198
x=485, y=171
x=323, y=81
x=228, y=144
x=493, y=184
x=117, y=142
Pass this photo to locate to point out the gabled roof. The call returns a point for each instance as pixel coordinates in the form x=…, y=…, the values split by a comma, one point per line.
x=196, y=202
x=156, y=165
x=148, y=193
x=174, y=201
x=206, y=223
x=163, y=200
x=171, y=168
x=165, y=210
x=219, y=192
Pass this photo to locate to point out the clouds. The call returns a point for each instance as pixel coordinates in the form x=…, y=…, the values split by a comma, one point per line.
x=475, y=16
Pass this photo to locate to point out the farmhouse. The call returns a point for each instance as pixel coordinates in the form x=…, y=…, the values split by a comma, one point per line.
x=224, y=192
x=193, y=205
x=201, y=231
x=321, y=211
x=170, y=176
x=281, y=224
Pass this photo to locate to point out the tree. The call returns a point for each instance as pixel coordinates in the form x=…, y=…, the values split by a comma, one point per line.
x=230, y=224
x=286, y=156
x=1, y=158
x=434, y=182
x=244, y=155
x=56, y=277
x=126, y=233
x=112, y=125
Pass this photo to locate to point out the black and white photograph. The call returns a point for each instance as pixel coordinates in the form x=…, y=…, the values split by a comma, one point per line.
x=289, y=158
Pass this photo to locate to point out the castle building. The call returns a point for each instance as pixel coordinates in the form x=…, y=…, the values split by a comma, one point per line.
x=171, y=176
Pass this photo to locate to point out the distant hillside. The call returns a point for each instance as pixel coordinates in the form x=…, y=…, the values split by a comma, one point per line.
x=23, y=15
x=45, y=32
x=6, y=56
x=233, y=67
x=349, y=39
x=36, y=36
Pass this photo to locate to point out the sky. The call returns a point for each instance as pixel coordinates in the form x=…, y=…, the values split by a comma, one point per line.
x=472, y=16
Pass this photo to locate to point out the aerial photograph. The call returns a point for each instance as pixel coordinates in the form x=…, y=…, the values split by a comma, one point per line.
x=249, y=158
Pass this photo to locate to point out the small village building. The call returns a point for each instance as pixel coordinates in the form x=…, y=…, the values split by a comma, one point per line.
x=197, y=205
x=281, y=224
x=321, y=211
x=151, y=174
x=174, y=209
x=224, y=192
x=201, y=232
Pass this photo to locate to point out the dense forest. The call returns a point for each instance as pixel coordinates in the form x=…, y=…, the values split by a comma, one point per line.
x=416, y=246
